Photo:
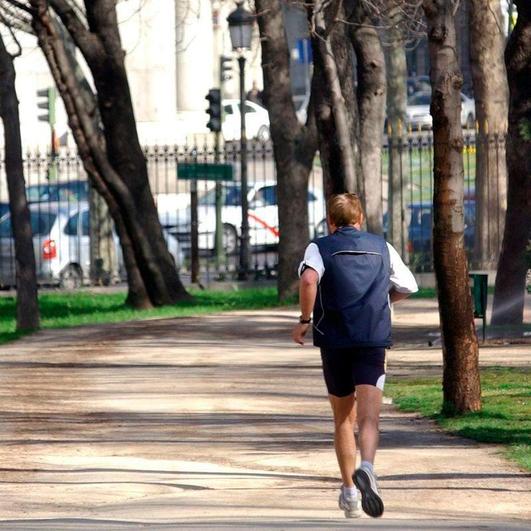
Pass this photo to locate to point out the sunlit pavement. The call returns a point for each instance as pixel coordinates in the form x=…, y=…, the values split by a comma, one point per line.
x=220, y=422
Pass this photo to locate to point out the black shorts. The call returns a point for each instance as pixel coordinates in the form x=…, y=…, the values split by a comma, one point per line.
x=345, y=368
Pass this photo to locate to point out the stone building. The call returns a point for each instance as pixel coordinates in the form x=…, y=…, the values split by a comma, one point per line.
x=172, y=49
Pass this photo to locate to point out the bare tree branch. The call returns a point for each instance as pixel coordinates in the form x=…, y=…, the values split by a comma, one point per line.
x=336, y=95
x=18, y=5
x=84, y=39
x=404, y=16
x=11, y=30
x=16, y=15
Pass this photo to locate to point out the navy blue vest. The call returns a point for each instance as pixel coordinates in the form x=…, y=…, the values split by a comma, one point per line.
x=352, y=304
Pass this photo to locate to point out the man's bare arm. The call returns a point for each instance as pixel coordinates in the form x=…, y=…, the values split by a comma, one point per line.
x=307, y=293
x=397, y=296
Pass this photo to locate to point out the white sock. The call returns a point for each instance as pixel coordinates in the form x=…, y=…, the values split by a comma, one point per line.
x=349, y=492
x=367, y=465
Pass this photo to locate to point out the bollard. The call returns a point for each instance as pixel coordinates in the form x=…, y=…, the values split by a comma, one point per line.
x=479, y=290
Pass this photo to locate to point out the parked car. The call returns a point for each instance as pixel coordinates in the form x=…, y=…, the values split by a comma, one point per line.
x=420, y=226
x=75, y=190
x=418, y=111
x=420, y=230
x=256, y=121
x=418, y=84
x=62, y=244
x=263, y=216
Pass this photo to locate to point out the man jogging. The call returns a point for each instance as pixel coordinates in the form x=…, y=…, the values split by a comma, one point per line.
x=348, y=279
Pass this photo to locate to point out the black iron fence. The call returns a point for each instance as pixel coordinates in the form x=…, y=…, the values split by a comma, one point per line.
x=74, y=239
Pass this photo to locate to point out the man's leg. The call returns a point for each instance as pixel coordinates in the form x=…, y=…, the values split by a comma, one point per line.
x=337, y=370
x=370, y=379
x=344, y=417
x=369, y=400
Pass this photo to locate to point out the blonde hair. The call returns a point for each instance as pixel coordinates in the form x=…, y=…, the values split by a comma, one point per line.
x=344, y=209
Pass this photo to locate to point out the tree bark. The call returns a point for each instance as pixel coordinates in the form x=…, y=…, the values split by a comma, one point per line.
x=396, y=69
x=371, y=94
x=103, y=256
x=461, y=384
x=294, y=145
x=331, y=71
x=509, y=291
x=27, y=296
x=333, y=63
x=491, y=95
x=104, y=268
x=125, y=166
x=90, y=143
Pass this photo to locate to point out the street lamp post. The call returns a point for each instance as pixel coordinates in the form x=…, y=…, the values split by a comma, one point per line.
x=244, y=246
x=241, y=27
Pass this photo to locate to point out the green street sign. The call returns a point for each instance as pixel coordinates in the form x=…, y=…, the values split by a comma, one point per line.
x=205, y=172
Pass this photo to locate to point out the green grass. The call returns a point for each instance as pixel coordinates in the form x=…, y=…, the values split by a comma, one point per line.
x=424, y=293
x=505, y=417
x=64, y=310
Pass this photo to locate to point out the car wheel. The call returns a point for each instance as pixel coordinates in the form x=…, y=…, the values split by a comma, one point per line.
x=263, y=134
x=71, y=277
x=230, y=239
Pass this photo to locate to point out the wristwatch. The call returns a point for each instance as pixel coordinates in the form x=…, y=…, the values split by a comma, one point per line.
x=305, y=321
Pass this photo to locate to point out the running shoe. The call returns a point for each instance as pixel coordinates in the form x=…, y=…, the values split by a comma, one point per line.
x=371, y=502
x=350, y=505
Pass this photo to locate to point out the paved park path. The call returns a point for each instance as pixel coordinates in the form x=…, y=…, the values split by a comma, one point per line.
x=220, y=422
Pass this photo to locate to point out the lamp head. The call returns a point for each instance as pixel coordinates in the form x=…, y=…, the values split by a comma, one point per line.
x=240, y=27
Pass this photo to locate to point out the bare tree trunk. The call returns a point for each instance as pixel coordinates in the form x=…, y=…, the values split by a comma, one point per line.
x=461, y=384
x=90, y=143
x=125, y=165
x=103, y=256
x=491, y=95
x=27, y=296
x=396, y=69
x=339, y=110
x=371, y=93
x=294, y=145
x=509, y=291
x=338, y=141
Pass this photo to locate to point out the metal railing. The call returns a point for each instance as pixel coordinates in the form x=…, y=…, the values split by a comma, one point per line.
x=407, y=163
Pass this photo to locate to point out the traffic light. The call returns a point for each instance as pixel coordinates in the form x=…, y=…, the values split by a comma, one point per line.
x=225, y=68
x=214, y=110
x=48, y=96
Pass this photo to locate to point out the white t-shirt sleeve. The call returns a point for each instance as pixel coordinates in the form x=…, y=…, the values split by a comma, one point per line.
x=402, y=279
x=313, y=259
